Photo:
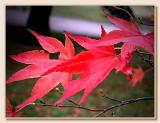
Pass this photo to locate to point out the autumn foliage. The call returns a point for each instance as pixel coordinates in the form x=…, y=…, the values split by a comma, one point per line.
x=92, y=65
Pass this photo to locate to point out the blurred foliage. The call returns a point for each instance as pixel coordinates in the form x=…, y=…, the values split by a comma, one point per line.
x=92, y=13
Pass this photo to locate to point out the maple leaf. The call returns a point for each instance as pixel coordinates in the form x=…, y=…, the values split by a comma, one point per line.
x=80, y=62
x=103, y=66
x=90, y=79
x=122, y=24
x=129, y=33
x=101, y=56
x=88, y=43
x=132, y=28
x=44, y=85
x=137, y=76
x=90, y=61
x=133, y=35
x=38, y=63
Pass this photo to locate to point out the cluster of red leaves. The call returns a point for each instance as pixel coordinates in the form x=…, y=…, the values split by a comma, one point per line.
x=93, y=65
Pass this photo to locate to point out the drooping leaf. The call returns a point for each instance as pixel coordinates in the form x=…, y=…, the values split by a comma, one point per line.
x=97, y=79
x=43, y=86
x=121, y=36
x=129, y=32
x=137, y=76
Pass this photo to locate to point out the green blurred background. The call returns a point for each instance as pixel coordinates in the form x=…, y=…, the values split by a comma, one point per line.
x=115, y=85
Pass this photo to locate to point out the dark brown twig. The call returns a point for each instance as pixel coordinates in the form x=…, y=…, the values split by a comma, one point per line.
x=124, y=103
x=101, y=92
x=69, y=106
x=144, y=53
x=111, y=98
x=143, y=58
x=131, y=17
x=140, y=22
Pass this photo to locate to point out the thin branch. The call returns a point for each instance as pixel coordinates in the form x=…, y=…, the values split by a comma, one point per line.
x=131, y=17
x=101, y=92
x=69, y=106
x=143, y=58
x=144, y=53
x=111, y=98
x=69, y=100
x=151, y=68
x=140, y=22
x=124, y=103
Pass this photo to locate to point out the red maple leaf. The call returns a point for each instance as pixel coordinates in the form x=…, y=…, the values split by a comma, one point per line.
x=39, y=62
x=97, y=71
x=103, y=65
x=94, y=65
x=129, y=33
x=137, y=76
x=144, y=41
x=97, y=63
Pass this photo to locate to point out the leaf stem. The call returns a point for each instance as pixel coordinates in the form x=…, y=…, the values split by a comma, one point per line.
x=111, y=98
x=131, y=17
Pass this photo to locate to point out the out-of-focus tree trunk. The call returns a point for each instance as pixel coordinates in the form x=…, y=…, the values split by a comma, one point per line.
x=39, y=18
x=39, y=22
